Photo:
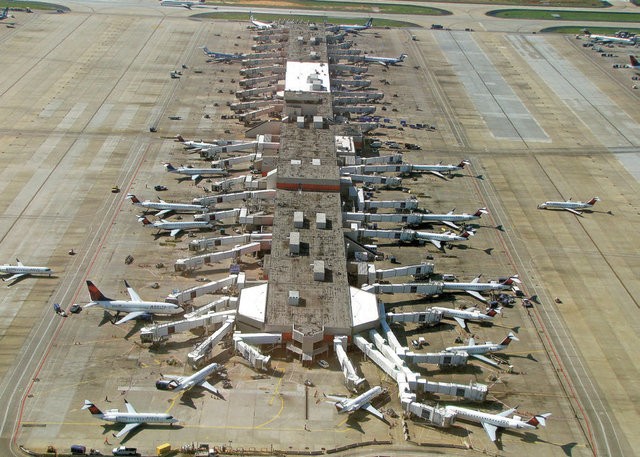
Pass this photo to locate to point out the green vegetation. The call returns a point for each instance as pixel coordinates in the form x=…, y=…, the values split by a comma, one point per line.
x=302, y=18
x=577, y=29
x=18, y=5
x=546, y=4
x=595, y=16
x=365, y=8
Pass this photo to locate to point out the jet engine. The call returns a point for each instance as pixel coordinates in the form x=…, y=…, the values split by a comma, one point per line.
x=165, y=384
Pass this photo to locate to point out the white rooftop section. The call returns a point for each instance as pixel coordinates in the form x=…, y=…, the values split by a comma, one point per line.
x=364, y=307
x=252, y=303
x=307, y=77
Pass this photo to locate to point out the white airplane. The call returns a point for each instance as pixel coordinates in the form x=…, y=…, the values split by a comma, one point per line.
x=136, y=307
x=196, y=173
x=194, y=144
x=440, y=169
x=164, y=207
x=132, y=418
x=449, y=218
x=570, y=205
x=355, y=28
x=185, y=4
x=440, y=239
x=174, y=227
x=20, y=271
x=477, y=350
x=613, y=39
x=386, y=61
x=492, y=422
x=184, y=383
x=474, y=287
x=461, y=316
x=261, y=25
x=222, y=56
x=362, y=401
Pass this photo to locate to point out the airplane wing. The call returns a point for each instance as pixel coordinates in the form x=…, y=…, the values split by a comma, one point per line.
x=476, y=294
x=14, y=277
x=132, y=293
x=437, y=243
x=127, y=428
x=475, y=280
x=485, y=359
x=369, y=408
x=334, y=398
x=491, y=430
x=209, y=387
x=20, y=264
x=438, y=174
x=461, y=322
x=451, y=224
x=508, y=412
x=174, y=232
x=577, y=213
x=130, y=408
x=130, y=316
x=162, y=213
x=195, y=177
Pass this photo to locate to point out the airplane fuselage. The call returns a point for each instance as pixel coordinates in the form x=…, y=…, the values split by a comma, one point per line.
x=448, y=217
x=165, y=225
x=177, y=207
x=348, y=406
x=493, y=419
x=439, y=237
x=478, y=348
x=565, y=205
x=463, y=314
x=130, y=307
x=18, y=270
x=477, y=286
x=132, y=418
x=201, y=171
x=197, y=377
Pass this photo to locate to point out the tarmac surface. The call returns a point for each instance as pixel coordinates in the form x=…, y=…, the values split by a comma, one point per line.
x=540, y=118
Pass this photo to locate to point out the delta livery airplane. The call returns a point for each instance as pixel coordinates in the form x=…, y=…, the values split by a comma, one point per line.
x=131, y=418
x=570, y=205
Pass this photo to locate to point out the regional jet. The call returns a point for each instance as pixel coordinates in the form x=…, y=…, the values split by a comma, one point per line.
x=449, y=218
x=261, y=25
x=474, y=287
x=470, y=314
x=355, y=28
x=362, y=401
x=222, y=56
x=131, y=418
x=614, y=39
x=196, y=173
x=135, y=308
x=20, y=271
x=570, y=205
x=184, y=383
x=386, y=61
x=174, y=227
x=441, y=239
x=440, y=169
x=477, y=350
x=165, y=208
x=492, y=422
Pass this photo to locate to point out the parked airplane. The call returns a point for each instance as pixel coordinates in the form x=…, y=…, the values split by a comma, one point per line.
x=492, y=422
x=132, y=418
x=569, y=205
x=386, y=61
x=634, y=64
x=136, y=307
x=222, y=56
x=477, y=350
x=174, y=227
x=196, y=173
x=449, y=218
x=474, y=287
x=165, y=207
x=440, y=239
x=261, y=25
x=184, y=383
x=470, y=314
x=440, y=169
x=613, y=39
x=362, y=401
x=4, y=14
x=355, y=28
x=20, y=271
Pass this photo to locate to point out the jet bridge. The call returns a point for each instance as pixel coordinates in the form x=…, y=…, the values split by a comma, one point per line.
x=350, y=82
x=208, y=243
x=218, y=215
x=268, y=47
x=439, y=417
x=248, y=93
x=269, y=194
x=184, y=296
x=162, y=332
x=227, y=184
x=352, y=380
x=408, y=204
x=243, y=106
x=191, y=263
x=197, y=357
x=342, y=68
x=253, y=82
x=423, y=269
x=277, y=69
x=230, y=161
x=427, y=317
x=389, y=181
x=269, y=59
x=250, y=116
x=252, y=354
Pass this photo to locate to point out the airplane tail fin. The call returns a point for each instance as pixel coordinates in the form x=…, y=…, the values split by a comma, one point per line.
x=133, y=198
x=207, y=52
x=634, y=61
x=480, y=212
x=144, y=221
x=93, y=409
x=467, y=233
x=510, y=280
x=493, y=311
x=463, y=163
x=593, y=201
x=169, y=167
x=95, y=293
x=369, y=23
x=539, y=419
x=179, y=137
x=509, y=338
